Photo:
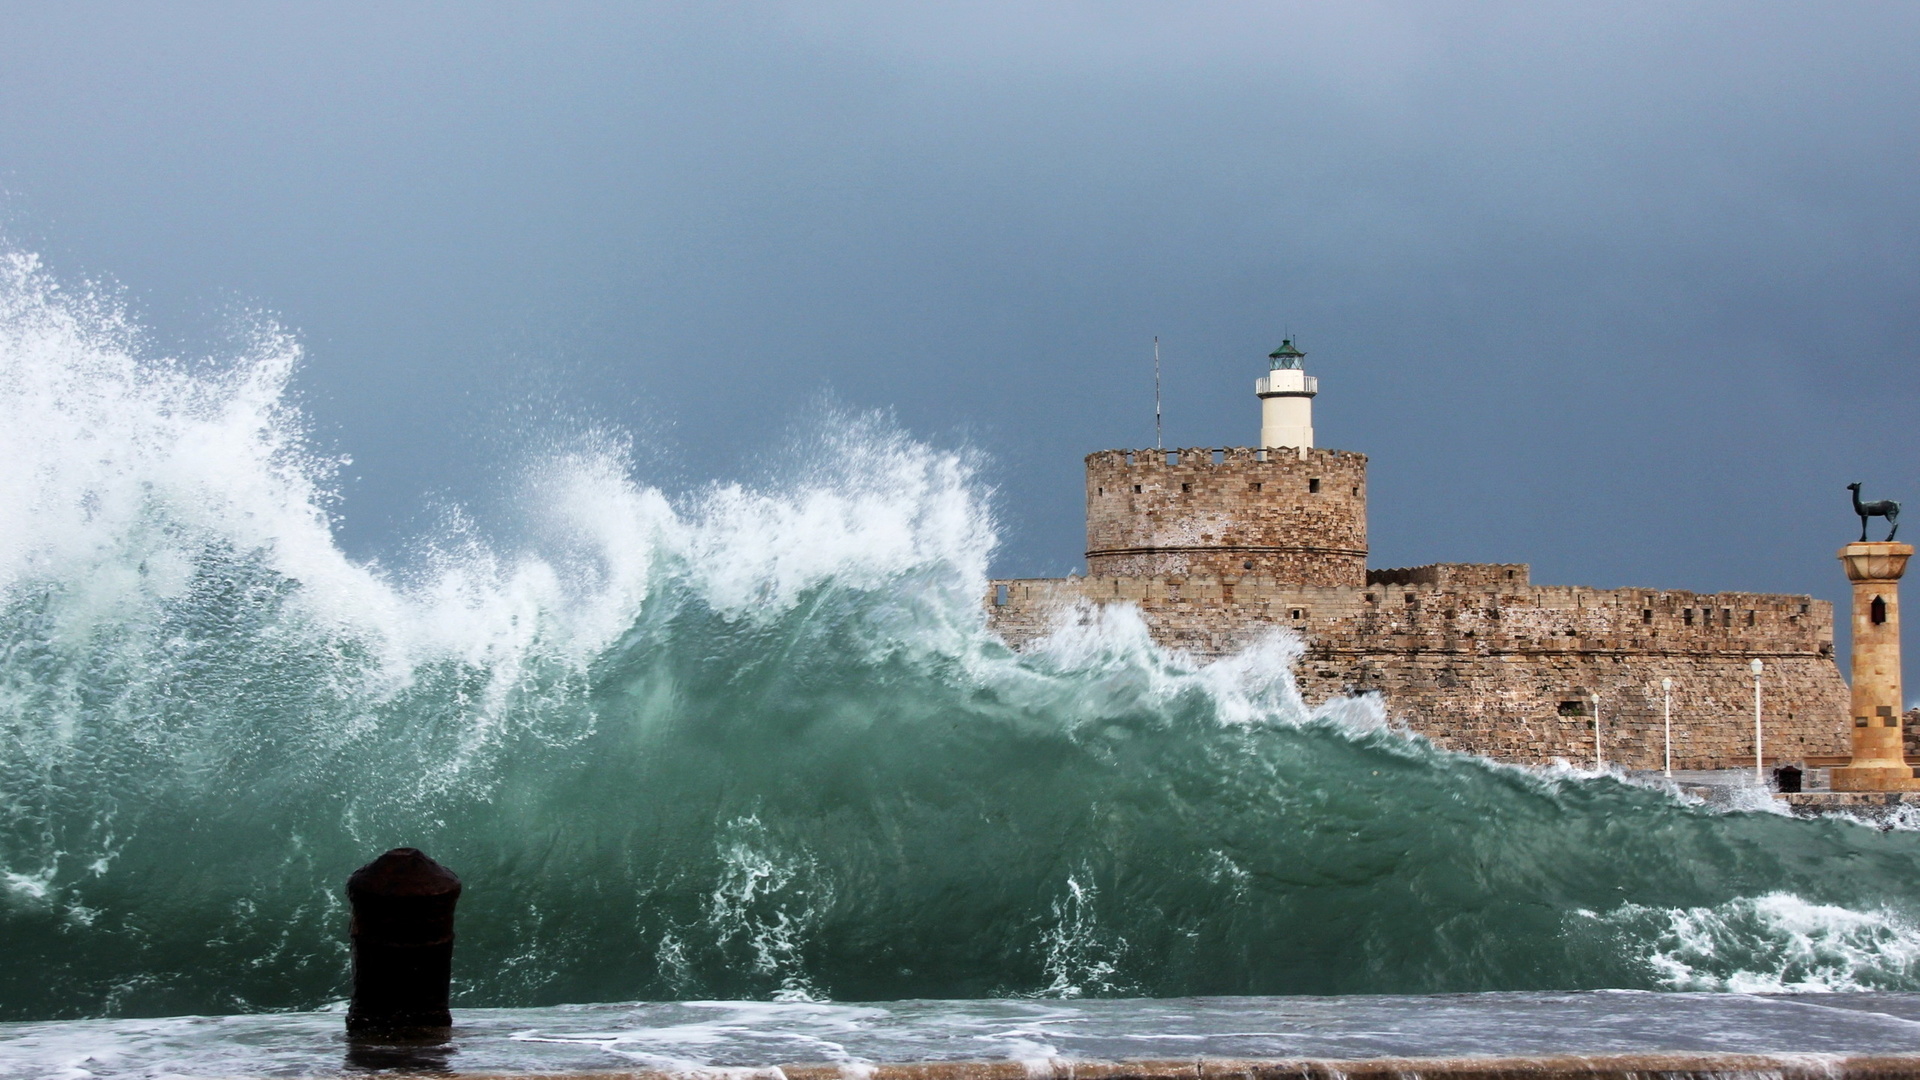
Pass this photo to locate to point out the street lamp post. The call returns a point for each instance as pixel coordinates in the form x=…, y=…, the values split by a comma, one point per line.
x=1599, y=737
x=1758, y=778
x=1666, y=692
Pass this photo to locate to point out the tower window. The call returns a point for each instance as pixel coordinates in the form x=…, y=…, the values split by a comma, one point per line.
x=1646, y=614
x=1255, y=485
x=1878, y=610
x=1102, y=491
x=1298, y=614
x=1686, y=614
x=1356, y=491
x=1136, y=489
x=1173, y=457
x=1186, y=487
x=1750, y=618
x=1000, y=595
x=1313, y=485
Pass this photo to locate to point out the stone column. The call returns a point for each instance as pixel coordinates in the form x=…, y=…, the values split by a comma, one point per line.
x=1879, y=759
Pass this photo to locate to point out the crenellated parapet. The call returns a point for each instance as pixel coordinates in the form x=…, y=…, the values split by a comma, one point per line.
x=1292, y=514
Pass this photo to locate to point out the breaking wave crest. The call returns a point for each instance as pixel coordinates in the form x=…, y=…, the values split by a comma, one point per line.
x=747, y=742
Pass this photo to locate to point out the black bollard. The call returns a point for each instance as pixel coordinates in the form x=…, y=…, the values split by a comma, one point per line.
x=402, y=946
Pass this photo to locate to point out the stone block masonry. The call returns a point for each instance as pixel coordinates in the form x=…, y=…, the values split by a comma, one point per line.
x=1478, y=660
x=1289, y=514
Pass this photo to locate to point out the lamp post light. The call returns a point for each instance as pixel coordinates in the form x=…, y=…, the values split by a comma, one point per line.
x=1758, y=778
x=1666, y=692
x=1599, y=737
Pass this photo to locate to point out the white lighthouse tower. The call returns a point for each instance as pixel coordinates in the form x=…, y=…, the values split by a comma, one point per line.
x=1286, y=400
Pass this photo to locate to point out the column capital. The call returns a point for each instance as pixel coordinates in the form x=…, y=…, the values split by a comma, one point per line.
x=1875, y=560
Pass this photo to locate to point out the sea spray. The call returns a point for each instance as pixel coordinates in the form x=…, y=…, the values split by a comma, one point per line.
x=744, y=742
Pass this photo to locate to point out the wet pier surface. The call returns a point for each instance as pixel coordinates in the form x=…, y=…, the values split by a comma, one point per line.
x=1606, y=1033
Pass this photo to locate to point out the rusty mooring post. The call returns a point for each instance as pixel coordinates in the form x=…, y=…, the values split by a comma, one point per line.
x=402, y=945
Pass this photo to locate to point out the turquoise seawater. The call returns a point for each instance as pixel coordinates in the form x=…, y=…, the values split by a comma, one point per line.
x=752, y=741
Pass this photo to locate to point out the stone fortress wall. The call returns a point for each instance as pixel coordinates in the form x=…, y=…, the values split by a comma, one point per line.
x=1291, y=514
x=1487, y=663
x=1219, y=546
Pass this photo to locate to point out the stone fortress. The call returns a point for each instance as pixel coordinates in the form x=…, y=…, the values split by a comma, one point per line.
x=1217, y=547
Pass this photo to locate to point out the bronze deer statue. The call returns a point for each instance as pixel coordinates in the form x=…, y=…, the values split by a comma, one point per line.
x=1885, y=508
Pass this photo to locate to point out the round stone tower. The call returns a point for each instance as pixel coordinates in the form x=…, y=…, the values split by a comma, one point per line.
x=1285, y=510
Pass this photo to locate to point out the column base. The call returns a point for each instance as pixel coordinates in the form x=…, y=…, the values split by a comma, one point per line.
x=1874, y=778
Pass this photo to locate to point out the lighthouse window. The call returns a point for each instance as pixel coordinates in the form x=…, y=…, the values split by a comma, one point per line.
x=1313, y=485
x=1878, y=612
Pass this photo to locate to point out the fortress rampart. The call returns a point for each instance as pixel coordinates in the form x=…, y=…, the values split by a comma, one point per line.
x=1510, y=671
x=1295, y=514
x=1218, y=547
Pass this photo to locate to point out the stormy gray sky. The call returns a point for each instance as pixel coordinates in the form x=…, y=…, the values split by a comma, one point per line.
x=1628, y=291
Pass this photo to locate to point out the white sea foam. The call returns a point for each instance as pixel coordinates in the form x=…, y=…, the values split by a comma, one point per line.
x=124, y=467
x=1772, y=944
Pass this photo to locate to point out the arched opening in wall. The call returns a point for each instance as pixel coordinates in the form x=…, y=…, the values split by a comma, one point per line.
x=1877, y=611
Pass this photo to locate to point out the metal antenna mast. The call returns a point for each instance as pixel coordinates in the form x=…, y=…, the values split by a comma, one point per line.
x=1156, y=391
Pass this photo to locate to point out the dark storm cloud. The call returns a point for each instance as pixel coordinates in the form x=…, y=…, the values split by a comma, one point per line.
x=1627, y=291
